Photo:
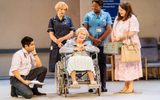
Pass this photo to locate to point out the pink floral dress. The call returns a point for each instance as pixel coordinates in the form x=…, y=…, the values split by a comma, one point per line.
x=132, y=70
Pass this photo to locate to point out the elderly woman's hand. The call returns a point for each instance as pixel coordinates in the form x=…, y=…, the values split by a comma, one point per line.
x=76, y=49
x=82, y=47
x=79, y=48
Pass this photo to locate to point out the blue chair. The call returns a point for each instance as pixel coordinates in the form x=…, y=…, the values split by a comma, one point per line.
x=149, y=52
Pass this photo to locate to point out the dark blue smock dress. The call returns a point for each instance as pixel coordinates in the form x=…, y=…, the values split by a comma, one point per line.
x=60, y=29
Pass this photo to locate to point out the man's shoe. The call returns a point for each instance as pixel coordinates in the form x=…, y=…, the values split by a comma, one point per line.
x=13, y=92
x=90, y=90
x=36, y=92
x=39, y=93
x=104, y=89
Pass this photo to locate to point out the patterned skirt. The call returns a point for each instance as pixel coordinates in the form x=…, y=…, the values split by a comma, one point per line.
x=127, y=71
x=80, y=63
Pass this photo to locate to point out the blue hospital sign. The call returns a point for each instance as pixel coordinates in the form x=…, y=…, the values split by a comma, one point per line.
x=111, y=6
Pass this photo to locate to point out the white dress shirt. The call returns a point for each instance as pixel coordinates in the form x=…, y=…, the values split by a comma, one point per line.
x=23, y=62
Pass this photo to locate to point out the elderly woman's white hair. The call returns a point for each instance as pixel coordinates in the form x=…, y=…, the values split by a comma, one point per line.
x=61, y=5
x=82, y=29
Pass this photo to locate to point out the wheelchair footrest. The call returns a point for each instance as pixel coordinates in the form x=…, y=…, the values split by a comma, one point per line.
x=74, y=86
x=94, y=86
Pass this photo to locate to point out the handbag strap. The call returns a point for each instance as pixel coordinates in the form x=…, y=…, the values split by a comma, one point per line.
x=129, y=38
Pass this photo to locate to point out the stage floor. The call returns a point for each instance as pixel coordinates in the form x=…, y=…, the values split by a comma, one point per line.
x=144, y=90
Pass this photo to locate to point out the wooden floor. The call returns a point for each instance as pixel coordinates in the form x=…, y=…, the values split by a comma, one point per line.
x=144, y=90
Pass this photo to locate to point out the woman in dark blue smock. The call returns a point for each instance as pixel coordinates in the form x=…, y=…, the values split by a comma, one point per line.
x=60, y=29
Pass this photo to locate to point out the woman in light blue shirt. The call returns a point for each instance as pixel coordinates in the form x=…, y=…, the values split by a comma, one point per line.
x=98, y=24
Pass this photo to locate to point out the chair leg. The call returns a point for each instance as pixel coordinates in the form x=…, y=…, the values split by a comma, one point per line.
x=112, y=63
x=146, y=72
x=146, y=69
x=158, y=72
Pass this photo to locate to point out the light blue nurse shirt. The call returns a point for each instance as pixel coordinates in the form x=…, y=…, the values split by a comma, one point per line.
x=97, y=24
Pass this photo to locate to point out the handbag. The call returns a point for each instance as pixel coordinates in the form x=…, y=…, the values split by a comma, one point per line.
x=112, y=48
x=130, y=53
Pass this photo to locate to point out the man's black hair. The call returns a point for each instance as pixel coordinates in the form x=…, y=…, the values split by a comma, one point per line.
x=99, y=2
x=26, y=41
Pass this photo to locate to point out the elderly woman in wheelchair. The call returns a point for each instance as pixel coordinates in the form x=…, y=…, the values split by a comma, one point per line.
x=80, y=61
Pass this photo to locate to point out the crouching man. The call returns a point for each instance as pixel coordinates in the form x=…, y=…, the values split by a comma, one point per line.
x=21, y=71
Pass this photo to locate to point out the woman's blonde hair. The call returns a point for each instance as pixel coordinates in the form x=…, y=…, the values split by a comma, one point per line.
x=82, y=29
x=61, y=5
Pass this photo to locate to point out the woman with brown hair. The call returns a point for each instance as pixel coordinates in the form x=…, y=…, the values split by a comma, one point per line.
x=125, y=29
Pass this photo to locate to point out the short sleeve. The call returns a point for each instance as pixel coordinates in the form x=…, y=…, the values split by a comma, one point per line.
x=134, y=24
x=108, y=19
x=71, y=25
x=51, y=25
x=115, y=22
x=85, y=20
x=16, y=61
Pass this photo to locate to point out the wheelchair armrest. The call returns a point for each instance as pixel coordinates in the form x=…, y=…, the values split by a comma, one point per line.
x=66, y=55
x=93, y=55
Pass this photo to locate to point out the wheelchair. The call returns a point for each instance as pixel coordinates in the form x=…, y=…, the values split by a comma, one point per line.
x=63, y=79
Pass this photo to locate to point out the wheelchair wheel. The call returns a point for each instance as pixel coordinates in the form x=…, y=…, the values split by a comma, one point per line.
x=99, y=91
x=59, y=77
x=65, y=91
x=97, y=71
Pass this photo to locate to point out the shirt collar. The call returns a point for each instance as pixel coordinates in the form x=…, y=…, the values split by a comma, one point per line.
x=57, y=18
x=25, y=51
x=99, y=13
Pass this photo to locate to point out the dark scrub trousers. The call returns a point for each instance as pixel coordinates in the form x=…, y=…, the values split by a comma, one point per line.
x=24, y=90
x=60, y=28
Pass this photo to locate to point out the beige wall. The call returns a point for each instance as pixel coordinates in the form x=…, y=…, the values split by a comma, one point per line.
x=84, y=8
